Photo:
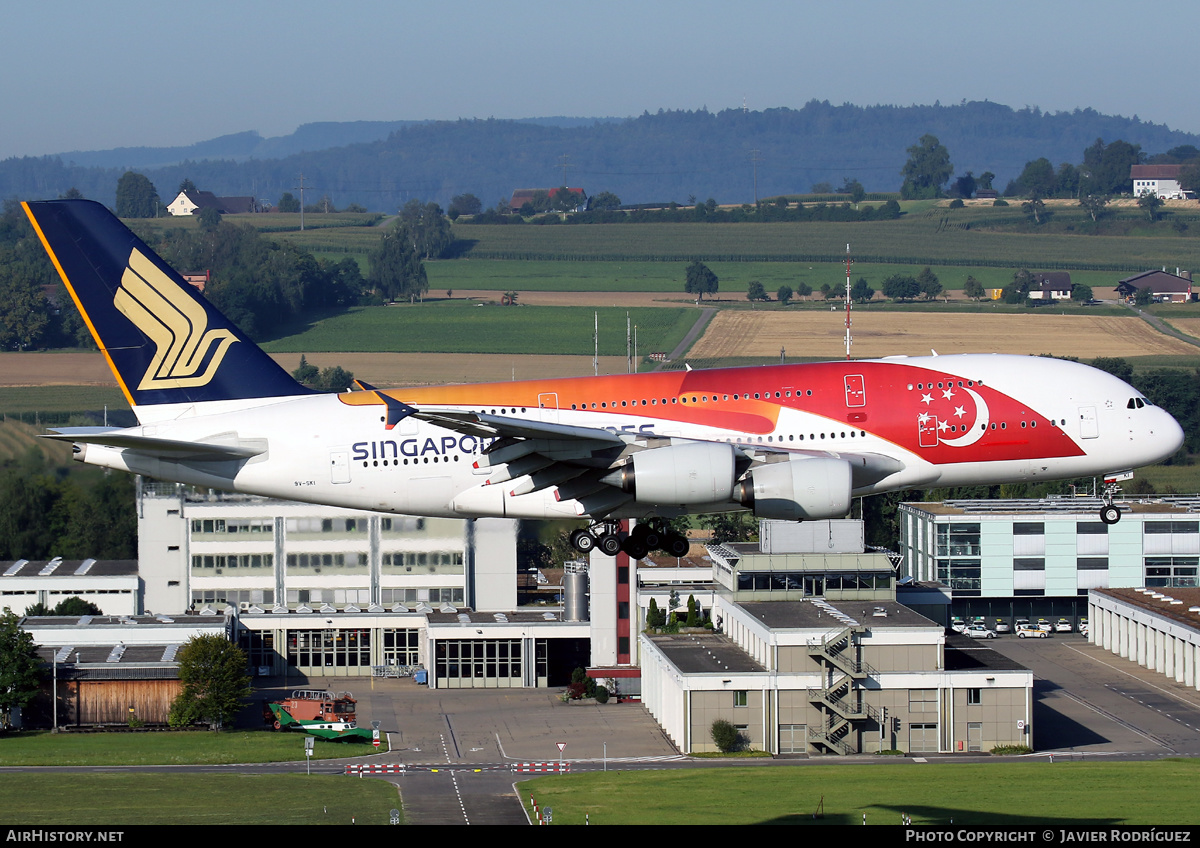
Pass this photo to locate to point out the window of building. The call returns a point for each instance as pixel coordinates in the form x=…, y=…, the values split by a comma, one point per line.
x=974, y=697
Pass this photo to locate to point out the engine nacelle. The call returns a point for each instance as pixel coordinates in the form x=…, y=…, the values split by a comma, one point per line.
x=703, y=472
x=800, y=489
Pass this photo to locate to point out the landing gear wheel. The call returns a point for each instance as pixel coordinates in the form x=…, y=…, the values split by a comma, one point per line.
x=676, y=545
x=1109, y=514
x=634, y=547
x=609, y=544
x=648, y=535
x=583, y=541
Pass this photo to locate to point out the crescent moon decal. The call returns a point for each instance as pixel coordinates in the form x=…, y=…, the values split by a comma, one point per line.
x=974, y=433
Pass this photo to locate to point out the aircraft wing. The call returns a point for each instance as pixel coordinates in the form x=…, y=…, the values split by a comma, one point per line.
x=499, y=426
x=169, y=449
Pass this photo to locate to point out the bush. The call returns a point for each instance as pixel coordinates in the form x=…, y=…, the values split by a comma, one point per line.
x=999, y=202
x=725, y=735
x=957, y=203
x=1011, y=750
x=601, y=694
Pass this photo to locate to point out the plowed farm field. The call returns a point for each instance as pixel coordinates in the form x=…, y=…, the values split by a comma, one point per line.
x=875, y=334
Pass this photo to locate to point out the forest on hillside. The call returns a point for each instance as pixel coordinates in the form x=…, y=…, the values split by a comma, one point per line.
x=669, y=156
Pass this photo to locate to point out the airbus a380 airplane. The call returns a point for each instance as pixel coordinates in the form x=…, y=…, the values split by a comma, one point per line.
x=790, y=442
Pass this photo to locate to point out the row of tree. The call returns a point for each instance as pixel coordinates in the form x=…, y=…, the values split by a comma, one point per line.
x=1103, y=173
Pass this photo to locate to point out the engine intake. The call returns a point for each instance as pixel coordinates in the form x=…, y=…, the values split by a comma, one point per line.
x=800, y=489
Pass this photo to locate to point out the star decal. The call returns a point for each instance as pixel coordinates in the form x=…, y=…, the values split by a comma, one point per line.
x=959, y=411
x=948, y=393
x=926, y=399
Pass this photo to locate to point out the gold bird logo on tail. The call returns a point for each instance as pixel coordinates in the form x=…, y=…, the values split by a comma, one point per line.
x=188, y=353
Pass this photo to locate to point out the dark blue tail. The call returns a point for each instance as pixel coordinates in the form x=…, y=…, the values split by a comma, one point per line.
x=164, y=342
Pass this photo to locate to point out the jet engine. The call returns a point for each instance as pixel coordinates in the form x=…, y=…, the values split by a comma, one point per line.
x=796, y=490
x=701, y=472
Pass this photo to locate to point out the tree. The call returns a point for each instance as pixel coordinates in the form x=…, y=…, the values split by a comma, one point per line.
x=210, y=218
x=426, y=228
x=1018, y=290
x=901, y=287
x=784, y=294
x=927, y=169
x=803, y=289
x=1106, y=168
x=724, y=735
x=860, y=292
x=964, y=186
x=729, y=527
x=1150, y=202
x=396, y=268
x=20, y=668
x=289, y=203
x=1094, y=205
x=700, y=280
x=985, y=181
x=1037, y=180
x=136, y=196
x=605, y=200
x=973, y=289
x=929, y=284
x=1081, y=294
x=1034, y=208
x=213, y=672
x=75, y=605
x=464, y=204
x=755, y=291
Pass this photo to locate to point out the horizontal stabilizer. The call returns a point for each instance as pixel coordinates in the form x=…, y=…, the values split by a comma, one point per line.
x=161, y=448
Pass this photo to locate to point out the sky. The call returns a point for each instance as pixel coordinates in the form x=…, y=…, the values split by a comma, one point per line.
x=83, y=75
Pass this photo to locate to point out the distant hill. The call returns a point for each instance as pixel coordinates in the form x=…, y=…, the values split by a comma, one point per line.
x=667, y=156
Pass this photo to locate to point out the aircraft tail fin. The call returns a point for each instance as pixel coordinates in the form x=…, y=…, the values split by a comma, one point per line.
x=164, y=341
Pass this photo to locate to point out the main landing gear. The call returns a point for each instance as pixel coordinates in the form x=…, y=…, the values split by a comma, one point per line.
x=1110, y=513
x=644, y=538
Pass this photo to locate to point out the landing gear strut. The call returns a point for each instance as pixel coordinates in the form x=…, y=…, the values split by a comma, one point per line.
x=1110, y=513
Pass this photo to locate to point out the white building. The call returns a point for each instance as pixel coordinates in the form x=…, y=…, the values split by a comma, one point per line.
x=1157, y=629
x=812, y=654
x=112, y=585
x=217, y=549
x=1039, y=559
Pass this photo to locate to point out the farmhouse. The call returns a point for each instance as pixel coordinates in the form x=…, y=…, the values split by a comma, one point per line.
x=191, y=202
x=1168, y=288
x=521, y=196
x=1162, y=180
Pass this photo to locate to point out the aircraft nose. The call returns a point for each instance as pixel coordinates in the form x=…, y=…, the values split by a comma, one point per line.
x=1166, y=433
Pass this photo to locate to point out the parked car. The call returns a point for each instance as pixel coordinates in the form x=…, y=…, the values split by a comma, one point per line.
x=980, y=631
x=1063, y=626
x=1029, y=631
x=1002, y=626
x=1083, y=626
x=1043, y=624
x=1020, y=622
x=957, y=624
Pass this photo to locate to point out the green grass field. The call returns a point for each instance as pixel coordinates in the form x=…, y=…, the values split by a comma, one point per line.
x=165, y=748
x=466, y=327
x=116, y=798
x=668, y=277
x=1000, y=793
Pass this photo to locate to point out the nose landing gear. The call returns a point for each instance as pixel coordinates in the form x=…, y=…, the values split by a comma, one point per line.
x=1110, y=513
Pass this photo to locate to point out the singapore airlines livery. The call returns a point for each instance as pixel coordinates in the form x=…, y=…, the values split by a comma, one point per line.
x=789, y=442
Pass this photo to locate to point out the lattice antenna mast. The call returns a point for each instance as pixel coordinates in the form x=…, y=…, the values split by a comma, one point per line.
x=849, y=340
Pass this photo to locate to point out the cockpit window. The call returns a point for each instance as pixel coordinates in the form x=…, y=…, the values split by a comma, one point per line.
x=1136, y=403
